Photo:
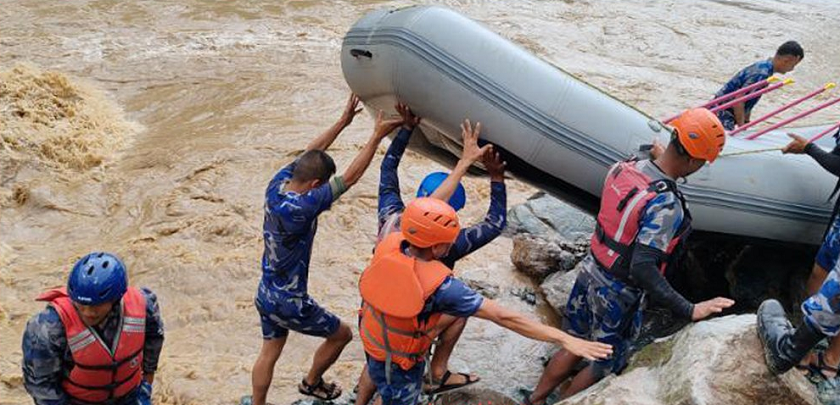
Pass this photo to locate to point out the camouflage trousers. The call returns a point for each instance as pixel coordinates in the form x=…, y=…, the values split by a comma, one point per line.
x=822, y=310
x=604, y=309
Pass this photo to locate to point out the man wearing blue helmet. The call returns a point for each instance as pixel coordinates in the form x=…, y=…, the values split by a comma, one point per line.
x=448, y=188
x=97, y=342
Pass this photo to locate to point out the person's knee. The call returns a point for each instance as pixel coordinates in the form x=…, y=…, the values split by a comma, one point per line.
x=343, y=335
x=272, y=348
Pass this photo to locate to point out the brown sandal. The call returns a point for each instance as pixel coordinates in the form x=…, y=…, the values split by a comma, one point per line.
x=321, y=390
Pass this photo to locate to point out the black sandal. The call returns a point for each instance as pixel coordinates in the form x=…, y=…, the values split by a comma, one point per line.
x=442, y=386
x=320, y=390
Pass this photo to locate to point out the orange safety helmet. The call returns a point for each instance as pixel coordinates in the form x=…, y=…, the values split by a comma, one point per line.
x=428, y=221
x=700, y=133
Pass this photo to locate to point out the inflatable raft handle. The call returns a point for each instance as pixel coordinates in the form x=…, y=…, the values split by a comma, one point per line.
x=360, y=52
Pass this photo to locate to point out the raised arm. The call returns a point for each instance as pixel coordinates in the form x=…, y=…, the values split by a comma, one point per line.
x=390, y=200
x=382, y=128
x=323, y=141
x=470, y=154
x=476, y=236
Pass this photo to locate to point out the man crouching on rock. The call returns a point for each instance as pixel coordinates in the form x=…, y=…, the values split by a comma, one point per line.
x=642, y=222
x=409, y=297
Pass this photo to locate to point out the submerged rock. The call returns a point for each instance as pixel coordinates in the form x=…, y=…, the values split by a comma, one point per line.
x=708, y=363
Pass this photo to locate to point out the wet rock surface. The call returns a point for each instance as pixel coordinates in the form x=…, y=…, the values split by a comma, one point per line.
x=712, y=362
x=546, y=216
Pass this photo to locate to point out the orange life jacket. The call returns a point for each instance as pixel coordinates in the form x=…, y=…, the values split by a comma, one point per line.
x=99, y=374
x=394, y=290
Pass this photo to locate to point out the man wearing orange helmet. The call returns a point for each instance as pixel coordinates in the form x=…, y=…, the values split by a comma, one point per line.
x=440, y=379
x=409, y=297
x=642, y=222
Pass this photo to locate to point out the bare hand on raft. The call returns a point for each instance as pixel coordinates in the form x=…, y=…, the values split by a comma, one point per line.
x=797, y=145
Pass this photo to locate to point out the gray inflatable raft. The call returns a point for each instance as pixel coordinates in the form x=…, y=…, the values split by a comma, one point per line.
x=562, y=134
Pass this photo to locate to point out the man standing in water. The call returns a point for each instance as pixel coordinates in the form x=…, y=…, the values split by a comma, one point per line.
x=294, y=199
x=642, y=222
x=97, y=342
x=410, y=297
x=445, y=188
x=787, y=57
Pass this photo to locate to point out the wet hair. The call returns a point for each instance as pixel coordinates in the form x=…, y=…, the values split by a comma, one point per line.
x=791, y=48
x=314, y=165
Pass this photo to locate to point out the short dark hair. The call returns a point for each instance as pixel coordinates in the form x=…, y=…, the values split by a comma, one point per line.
x=677, y=145
x=791, y=48
x=314, y=165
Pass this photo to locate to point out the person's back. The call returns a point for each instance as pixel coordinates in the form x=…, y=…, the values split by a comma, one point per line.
x=289, y=227
x=787, y=56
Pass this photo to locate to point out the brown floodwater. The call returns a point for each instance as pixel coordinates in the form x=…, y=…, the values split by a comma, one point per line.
x=151, y=128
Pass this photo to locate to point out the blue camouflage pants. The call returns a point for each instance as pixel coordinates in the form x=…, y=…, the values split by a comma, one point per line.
x=822, y=310
x=606, y=310
x=830, y=248
x=727, y=118
x=405, y=386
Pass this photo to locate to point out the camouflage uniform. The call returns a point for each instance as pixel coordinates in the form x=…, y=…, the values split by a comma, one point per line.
x=391, y=207
x=47, y=357
x=289, y=227
x=822, y=310
x=761, y=70
x=605, y=309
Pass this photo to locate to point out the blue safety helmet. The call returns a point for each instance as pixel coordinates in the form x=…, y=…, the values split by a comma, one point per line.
x=97, y=278
x=432, y=182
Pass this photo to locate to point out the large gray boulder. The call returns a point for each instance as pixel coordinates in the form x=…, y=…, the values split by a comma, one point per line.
x=546, y=216
x=557, y=287
x=716, y=362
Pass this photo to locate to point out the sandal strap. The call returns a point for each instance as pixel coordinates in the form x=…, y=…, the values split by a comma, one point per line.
x=824, y=366
x=328, y=389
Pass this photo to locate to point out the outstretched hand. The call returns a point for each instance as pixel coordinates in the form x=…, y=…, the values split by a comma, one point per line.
x=472, y=152
x=351, y=109
x=383, y=126
x=587, y=349
x=797, y=145
x=409, y=119
x=495, y=165
x=703, y=310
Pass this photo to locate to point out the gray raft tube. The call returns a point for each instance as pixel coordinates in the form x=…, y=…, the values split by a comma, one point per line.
x=561, y=134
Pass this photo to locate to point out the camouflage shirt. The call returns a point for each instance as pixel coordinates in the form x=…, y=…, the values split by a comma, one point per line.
x=47, y=357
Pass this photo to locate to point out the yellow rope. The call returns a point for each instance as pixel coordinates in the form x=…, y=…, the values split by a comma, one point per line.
x=750, y=152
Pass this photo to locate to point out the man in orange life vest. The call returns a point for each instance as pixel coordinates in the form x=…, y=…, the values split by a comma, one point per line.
x=446, y=187
x=97, y=342
x=409, y=297
x=642, y=221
